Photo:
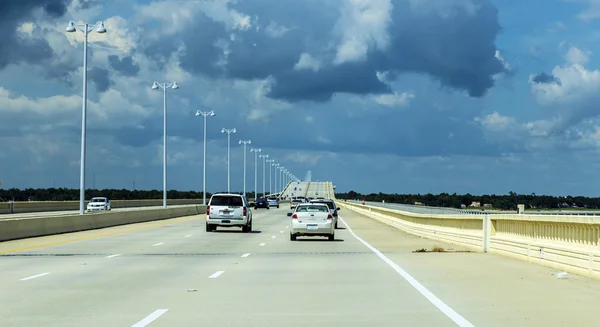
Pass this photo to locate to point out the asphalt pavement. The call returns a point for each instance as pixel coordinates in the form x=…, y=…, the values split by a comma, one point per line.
x=173, y=273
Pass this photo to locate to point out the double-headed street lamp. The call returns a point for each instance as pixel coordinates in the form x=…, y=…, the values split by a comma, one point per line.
x=204, y=114
x=86, y=29
x=246, y=142
x=264, y=156
x=256, y=151
x=165, y=87
x=229, y=132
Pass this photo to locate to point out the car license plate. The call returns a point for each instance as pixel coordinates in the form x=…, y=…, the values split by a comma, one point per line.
x=312, y=227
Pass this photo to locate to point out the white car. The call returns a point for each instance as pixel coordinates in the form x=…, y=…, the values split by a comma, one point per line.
x=228, y=210
x=311, y=219
x=99, y=204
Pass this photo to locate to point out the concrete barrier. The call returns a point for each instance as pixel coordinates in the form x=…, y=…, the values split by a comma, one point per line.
x=17, y=228
x=45, y=206
x=561, y=242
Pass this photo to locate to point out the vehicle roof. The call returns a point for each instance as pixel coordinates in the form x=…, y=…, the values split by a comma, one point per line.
x=227, y=194
x=100, y=197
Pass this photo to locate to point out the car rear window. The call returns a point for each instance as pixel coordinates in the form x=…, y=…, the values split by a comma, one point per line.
x=305, y=208
x=233, y=201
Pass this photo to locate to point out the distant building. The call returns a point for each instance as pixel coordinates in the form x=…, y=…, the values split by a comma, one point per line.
x=475, y=204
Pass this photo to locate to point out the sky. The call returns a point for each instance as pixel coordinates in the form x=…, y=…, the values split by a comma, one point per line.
x=392, y=96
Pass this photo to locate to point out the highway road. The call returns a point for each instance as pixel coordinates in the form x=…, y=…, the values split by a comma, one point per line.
x=173, y=273
x=76, y=212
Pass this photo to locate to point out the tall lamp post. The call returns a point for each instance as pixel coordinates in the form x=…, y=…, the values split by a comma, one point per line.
x=264, y=157
x=86, y=29
x=229, y=132
x=165, y=87
x=246, y=142
x=204, y=114
x=270, y=162
x=276, y=172
x=256, y=151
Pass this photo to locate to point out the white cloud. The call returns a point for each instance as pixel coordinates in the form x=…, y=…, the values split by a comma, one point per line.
x=307, y=61
x=275, y=30
x=362, y=25
x=577, y=56
x=395, y=99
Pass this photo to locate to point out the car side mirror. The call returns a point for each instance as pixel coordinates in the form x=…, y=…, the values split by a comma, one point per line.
x=338, y=208
x=289, y=214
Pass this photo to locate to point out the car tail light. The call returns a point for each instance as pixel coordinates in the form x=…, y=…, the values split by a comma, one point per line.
x=329, y=216
x=245, y=212
x=294, y=216
x=207, y=210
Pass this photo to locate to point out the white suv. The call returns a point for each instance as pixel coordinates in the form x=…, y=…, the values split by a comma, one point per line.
x=228, y=210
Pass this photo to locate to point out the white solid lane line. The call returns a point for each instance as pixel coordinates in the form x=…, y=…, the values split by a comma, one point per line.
x=245, y=255
x=188, y=235
x=449, y=312
x=217, y=274
x=35, y=276
x=262, y=244
x=112, y=256
x=157, y=244
x=150, y=318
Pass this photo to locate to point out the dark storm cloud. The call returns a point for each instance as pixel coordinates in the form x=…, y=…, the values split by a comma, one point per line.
x=15, y=49
x=101, y=78
x=544, y=78
x=453, y=45
x=124, y=66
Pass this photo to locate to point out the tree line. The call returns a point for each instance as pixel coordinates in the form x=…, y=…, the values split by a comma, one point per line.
x=66, y=194
x=503, y=202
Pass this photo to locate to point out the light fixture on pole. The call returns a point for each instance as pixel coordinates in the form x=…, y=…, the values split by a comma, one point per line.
x=256, y=151
x=164, y=87
x=245, y=143
x=86, y=29
x=204, y=114
x=264, y=156
x=229, y=132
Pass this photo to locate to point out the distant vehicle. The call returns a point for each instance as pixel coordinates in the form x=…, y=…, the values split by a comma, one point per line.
x=228, y=210
x=273, y=202
x=333, y=208
x=261, y=203
x=294, y=203
x=311, y=219
x=99, y=204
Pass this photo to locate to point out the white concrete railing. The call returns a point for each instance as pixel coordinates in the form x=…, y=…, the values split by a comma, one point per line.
x=567, y=243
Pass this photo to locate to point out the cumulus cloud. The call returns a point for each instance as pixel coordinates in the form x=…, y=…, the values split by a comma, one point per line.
x=451, y=41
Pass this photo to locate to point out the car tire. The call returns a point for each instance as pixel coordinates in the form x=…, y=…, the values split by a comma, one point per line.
x=208, y=228
x=292, y=237
x=331, y=237
x=277, y=206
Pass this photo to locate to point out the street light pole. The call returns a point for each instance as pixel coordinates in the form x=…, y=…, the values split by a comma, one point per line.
x=270, y=176
x=256, y=151
x=264, y=156
x=86, y=29
x=204, y=114
x=164, y=87
x=276, y=172
x=229, y=132
x=245, y=143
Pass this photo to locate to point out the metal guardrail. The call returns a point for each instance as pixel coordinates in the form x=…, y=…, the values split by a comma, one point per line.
x=453, y=211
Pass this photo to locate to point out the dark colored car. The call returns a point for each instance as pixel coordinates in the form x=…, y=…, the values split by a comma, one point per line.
x=261, y=203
